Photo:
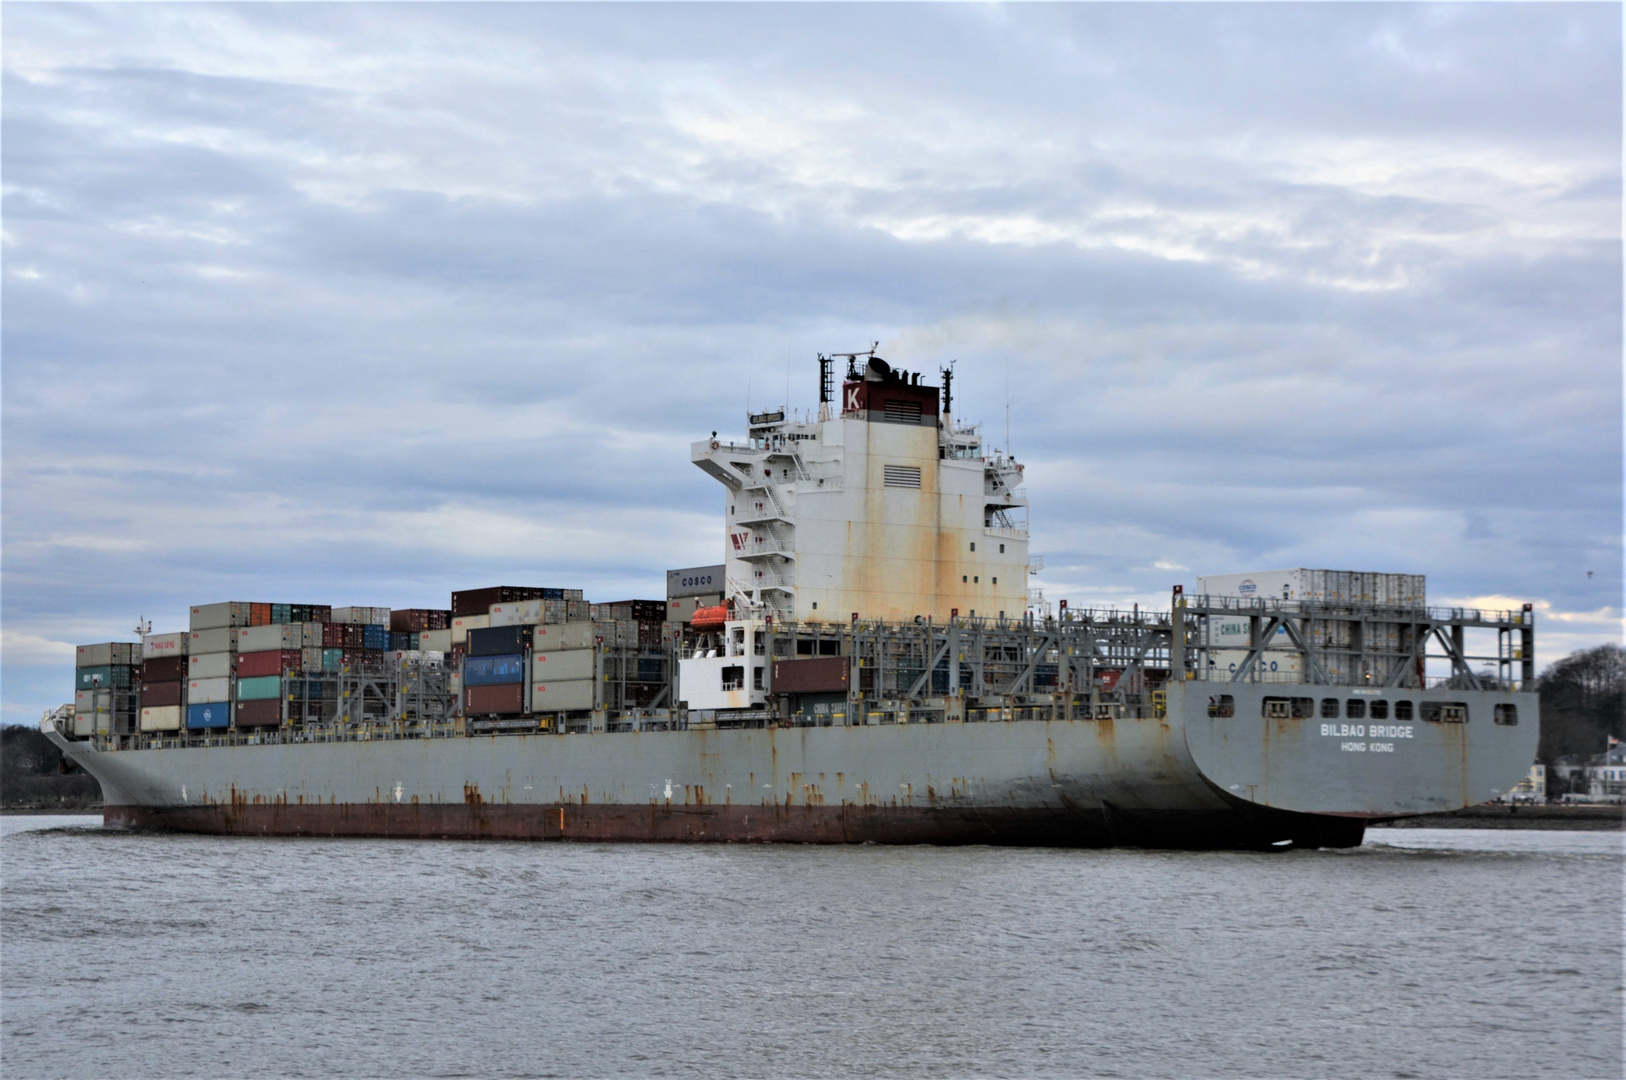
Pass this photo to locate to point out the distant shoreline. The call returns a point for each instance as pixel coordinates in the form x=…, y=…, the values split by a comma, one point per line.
x=1596, y=818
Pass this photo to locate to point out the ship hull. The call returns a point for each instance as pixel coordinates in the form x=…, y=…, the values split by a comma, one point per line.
x=1184, y=779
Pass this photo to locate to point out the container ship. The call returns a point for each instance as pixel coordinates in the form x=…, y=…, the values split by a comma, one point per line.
x=867, y=664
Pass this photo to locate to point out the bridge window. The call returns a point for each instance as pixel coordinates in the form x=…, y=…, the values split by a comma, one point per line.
x=1355, y=709
x=1329, y=708
x=1380, y=709
x=1445, y=712
x=1403, y=711
x=1506, y=715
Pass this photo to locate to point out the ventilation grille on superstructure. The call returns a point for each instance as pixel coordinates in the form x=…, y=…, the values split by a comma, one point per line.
x=903, y=476
x=902, y=412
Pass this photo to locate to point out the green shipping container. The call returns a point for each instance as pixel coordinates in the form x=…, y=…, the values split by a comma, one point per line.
x=258, y=689
x=332, y=659
x=116, y=677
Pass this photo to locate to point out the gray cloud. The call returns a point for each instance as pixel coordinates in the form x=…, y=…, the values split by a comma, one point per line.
x=365, y=303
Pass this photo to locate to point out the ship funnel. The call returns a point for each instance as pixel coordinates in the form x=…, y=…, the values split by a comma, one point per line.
x=877, y=370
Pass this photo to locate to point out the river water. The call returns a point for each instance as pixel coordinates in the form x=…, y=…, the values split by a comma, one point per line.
x=1426, y=952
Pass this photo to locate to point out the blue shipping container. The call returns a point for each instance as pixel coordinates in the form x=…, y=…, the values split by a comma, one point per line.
x=493, y=670
x=375, y=637
x=216, y=715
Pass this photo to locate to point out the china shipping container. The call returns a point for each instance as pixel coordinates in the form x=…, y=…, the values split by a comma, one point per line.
x=503, y=699
x=158, y=645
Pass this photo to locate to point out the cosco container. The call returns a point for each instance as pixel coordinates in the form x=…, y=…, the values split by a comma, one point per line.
x=571, y=635
x=262, y=712
x=219, y=639
x=214, y=616
x=501, y=700
x=207, y=691
x=695, y=581
x=462, y=624
x=493, y=670
x=559, y=666
x=160, y=718
x=159, y=694
x=272, y=636
x=212, y=715
x=158, y=645
x=113, y=652
x=259, y=688
x=568, y=696
x=209, y=665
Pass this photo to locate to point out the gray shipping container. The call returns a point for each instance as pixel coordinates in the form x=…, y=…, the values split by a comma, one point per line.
x=274, y=636
x=105, y=655
x=208, y=665
x=214, y=616
x=219, y=639
x=559, y=666
x=567, y=696
x=556, y=638
x=695, y=581
x=311, y=635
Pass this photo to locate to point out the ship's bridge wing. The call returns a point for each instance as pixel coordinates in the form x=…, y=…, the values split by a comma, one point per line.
x=722, y=460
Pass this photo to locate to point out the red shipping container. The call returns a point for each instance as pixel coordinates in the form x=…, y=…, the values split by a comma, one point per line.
x=354, y=635
x=162, y=669
x=164, y=693
x=824, y=675
x=267, y=713
x=273, y=662
x=332, y=635
x=503, y=700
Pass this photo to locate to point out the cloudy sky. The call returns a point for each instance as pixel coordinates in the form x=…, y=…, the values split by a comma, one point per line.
x=362, y=304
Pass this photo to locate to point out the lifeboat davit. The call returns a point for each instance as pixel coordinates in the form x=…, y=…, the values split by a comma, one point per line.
x=709, y=618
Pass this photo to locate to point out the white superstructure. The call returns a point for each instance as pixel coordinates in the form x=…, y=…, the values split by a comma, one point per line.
x=883, y=509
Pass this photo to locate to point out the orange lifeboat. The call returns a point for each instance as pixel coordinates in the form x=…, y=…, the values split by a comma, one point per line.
x=709, y=618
